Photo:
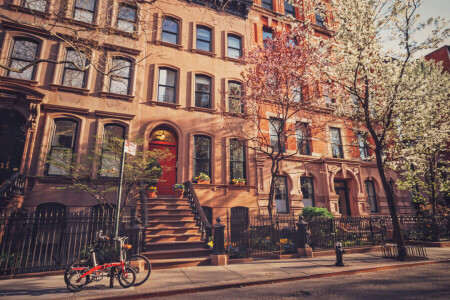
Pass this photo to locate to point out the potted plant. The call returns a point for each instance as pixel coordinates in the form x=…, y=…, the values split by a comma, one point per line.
x=238, y=181
x=151, y=192
x=178, y=189
x=202, y=178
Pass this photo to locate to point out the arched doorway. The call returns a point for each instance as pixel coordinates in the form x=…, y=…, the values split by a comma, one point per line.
x=12, y=141
x=163, y=138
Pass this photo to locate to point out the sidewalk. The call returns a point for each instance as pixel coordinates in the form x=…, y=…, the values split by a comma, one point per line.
x=183, y=280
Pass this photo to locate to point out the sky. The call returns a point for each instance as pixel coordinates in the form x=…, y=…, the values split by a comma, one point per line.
x=431, y=8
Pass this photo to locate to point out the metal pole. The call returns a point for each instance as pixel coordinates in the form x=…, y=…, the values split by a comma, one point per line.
x=119, y=192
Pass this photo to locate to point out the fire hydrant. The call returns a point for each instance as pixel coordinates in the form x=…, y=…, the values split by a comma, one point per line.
x=339, y=253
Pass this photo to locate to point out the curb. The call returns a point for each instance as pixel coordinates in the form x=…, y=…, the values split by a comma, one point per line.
x=261, y=282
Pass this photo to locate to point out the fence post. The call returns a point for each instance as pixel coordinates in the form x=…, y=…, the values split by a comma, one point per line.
x=218, y=257
x=303, y=248
x=371, y=231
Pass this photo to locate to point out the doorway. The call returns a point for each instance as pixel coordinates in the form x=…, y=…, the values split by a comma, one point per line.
x=341, y=188
x=12, y=141
x=163, y=138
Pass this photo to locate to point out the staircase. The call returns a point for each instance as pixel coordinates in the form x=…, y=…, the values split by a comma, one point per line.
x=172, y=237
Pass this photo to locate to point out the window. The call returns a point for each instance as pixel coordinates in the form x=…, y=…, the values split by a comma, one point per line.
x=371, y=198
x=307, y=187
x=281, y=196
x=267, y=4
x=167, y=85
x=202, y=91
x=234, y=46
x=319, y=20
x=126, y=18
x=267, y=34
x=62, y=146
x=289, y=10
x=39, y=5
x=363, y=147
x=23, y=52
x=336, y=143
x=204, y=38
x=303, y=135
x=237, y=159
x=202, y=155
x=84, y=10
x=169, y=31
x=355, y=103
x=120, y=75
x=234, y=97
x=113, y=135
x=276, y=133
x=297, y=94
x=72, y=76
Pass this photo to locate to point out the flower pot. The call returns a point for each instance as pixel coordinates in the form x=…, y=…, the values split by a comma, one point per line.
x=178, y=193
x=151, y=195
x=199, y=181
x=240, y=183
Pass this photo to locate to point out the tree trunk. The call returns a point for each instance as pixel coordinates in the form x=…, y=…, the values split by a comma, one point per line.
x=398, y=236
x=273, y=171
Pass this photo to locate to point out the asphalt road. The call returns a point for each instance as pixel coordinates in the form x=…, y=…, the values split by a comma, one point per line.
x=422, y=282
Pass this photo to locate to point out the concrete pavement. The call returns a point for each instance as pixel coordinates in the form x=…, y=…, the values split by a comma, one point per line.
x=187, y=280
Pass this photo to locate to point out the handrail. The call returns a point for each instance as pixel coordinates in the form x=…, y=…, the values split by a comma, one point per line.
x=197, y=209
x=14, y=185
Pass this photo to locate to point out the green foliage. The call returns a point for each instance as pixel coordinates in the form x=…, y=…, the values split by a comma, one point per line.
x=178, y=186
x=309, y=212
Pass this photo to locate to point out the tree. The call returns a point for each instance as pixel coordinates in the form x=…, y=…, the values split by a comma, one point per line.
x=374, y=83
x=423, y=138
x=280, y=90
x=97, y=173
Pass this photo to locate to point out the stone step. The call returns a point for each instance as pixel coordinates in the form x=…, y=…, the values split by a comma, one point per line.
x=171, y=230
x=179, y=217
x=174, y=237
x=179, y=262
x=179, y=245
x=170, y=206
x=171, y=223
x=168, y=211
x=181, y=253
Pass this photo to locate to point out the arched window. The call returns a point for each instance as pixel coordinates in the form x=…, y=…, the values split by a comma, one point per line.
x=113, y=135
x=120, y=76
x=127, y=18
x=203, y=91
x=62, y=146
x=167, y=85
x=23, y=52
x=234, y=46
x=204, y=38
x=202, y=155
x=307, y=187
x=170, y=31
x=234, y=97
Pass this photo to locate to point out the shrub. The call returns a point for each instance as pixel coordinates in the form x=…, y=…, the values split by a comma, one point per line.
x=309, y=212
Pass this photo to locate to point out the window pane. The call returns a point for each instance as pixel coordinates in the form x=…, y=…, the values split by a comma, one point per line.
x=113, y=136
x=83, y=16
x=236, y=151
x=166, y=94
x=281, y=196
x=267, y=34
x=234, y=42
x=170, y=26
x=169, y=38
x=336, y=144
x=78, y=59
x=167, y=77
x=307, y=191
x=119, y=86
x=85, y=4
x=234, y=53
x=120, y=74
x=234, y=96
x=289, y=9
x=202, y=91
x=60, y=158
x=267, y=4
x=297, y=95
x=303, y=135
x=64, y=135
x=73, y=78
x=127, y=13
x=202, y=150
x=237, y=170
x=125, y=26
x=319, y=20
x=62, y=147
x=121, y=67
x=27, y=74
x=38, y=5
x=204, y=46
x=203, y=34
x=371, y=198
x=24, y=50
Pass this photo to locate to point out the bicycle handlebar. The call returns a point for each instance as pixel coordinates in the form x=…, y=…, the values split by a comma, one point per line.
x=101, y=236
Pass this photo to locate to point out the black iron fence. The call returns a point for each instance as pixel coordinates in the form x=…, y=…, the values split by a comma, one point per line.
x=50, y=239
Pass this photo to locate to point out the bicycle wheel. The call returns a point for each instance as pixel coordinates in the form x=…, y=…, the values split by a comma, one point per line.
x=127, y=279
x=77, y=268
x=141, y=266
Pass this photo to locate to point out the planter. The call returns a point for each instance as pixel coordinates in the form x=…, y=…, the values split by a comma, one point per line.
x=239, y=183
x=178, y=193
x=247, y=260
x=151, y=195
x=199, y=181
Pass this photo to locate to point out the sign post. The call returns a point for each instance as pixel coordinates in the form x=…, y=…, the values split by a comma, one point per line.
x=130, y=148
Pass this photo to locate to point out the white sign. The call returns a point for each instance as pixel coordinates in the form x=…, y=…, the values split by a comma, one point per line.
x=130, y=147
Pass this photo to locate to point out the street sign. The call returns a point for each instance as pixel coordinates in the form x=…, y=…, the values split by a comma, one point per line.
x=130, y=147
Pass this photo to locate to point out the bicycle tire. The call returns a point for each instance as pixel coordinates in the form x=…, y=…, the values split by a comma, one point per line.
x=82, y=262
x=141, y=266
x=129, y=280
x=74, y=286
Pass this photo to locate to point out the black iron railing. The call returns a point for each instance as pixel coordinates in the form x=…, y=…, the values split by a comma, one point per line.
x=50, y=239
x=202, y=222
x=13, y=186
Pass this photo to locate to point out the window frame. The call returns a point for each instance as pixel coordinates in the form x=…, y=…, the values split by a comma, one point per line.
x=239, y=38
x=75, y=8
x=234, y=162
x=14, y=41
x=286, y=194
x=210, y=42
x=374, y=208
x=265, y=31
x=65, y=67
x=168, y=86
x=170, y=33
x=312, y=198
x=129, y=78
x=195, y=159
x=123, y=4
x=363, y=146
x=203, y=93
x=232, y=97
x=306, y=138
x=319, y=20
x=290, y=11
x=339, y=145
x=267, y=4
x=103, y=151
x=52, y=141
x=271, y=125
x=23, y=3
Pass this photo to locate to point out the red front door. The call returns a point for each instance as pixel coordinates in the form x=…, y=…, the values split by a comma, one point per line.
x=169, y=167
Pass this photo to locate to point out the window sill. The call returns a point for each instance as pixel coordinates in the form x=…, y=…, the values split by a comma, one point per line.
x=81, y=23
x=177, y=46
x=235, y=60
x=322, y=29
x=159, y=103
x=57, y=87
x=212, y=54
x=206, y=110
x=42, y=14
x=129, y=98
x=237, y=115
x=30, y=83
x=123, y=33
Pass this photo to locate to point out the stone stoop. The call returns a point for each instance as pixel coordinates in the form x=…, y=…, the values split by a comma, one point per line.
x=172, y=238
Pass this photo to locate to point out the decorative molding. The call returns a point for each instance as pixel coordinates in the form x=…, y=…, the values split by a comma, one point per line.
x=107, y=114
x=117, y=96
x=333, y=169
x=65, y=88
x=52, y=107
x=159, y=103
x=122, y=49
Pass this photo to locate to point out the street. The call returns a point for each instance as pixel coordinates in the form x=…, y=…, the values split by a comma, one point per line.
x=421, y=282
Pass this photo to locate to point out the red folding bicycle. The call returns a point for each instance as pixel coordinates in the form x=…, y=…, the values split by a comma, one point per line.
x=86, y=270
